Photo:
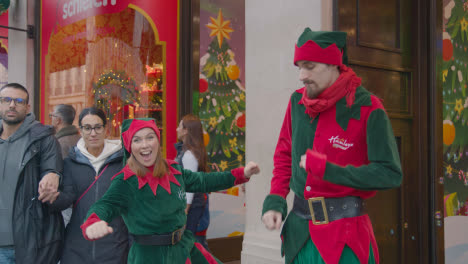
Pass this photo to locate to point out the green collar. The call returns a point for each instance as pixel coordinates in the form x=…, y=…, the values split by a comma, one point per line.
x=344, y=113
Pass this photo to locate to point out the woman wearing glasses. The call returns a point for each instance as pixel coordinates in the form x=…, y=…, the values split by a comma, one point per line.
x=87, y=175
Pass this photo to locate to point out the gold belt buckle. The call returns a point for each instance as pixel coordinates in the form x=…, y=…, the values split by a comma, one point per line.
x=179, y=233
x=312, y=213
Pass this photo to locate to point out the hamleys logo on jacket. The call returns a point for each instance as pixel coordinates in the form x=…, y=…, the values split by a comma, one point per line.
x=340, y=143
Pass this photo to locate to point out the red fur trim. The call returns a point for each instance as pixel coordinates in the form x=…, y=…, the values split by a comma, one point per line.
x=93, y=218
x=239, y=174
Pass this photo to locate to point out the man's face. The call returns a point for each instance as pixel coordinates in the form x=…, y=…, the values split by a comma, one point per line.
x=54, y=119
x=317, y=76
x=13, y=113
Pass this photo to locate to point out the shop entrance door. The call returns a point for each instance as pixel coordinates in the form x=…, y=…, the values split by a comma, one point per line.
x=387, y=47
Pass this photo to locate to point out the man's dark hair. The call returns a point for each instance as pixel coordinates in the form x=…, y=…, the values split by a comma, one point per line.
x=17, y=86
x=66, y=113
x=93, y=111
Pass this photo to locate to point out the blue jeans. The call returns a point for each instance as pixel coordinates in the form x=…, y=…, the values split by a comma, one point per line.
x=7, y=255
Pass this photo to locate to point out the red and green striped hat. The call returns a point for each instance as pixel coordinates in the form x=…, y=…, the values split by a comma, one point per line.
x=327, y=47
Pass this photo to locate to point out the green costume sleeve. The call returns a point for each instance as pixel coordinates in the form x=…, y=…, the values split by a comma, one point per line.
x=207, y=182
x=276, y=203
x=383, y=171
x=115, y=201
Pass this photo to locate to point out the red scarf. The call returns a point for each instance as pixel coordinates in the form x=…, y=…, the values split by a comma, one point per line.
x=345, y=85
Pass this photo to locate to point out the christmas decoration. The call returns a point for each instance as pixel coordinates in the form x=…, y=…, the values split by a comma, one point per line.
x=220, y=28
x=206, y=138
x=240, y=122
x=222, y=100
x=454, y=73
x=113, y=90
x=203, y=85
x=233, y=72
x=447, y=50
x=155, y=71
x=448, y=132
x=4, y=5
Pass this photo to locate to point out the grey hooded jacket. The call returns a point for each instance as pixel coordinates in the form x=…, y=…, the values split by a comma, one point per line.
x=37, y=232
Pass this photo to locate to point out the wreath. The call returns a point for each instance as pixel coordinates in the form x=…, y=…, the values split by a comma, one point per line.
x=113, y=90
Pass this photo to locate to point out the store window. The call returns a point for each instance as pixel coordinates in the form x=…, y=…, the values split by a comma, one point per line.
x=115, y=57
x=111, y=61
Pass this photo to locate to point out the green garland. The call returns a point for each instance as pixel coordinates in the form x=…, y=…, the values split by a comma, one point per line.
x=103, y=93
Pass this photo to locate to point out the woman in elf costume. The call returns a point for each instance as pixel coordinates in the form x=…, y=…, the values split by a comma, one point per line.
x=149, y=194
x=336, y=148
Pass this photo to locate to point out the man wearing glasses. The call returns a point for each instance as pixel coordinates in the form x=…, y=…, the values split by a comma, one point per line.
x=30, y=163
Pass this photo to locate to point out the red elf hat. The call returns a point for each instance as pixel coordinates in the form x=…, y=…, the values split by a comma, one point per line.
x=327, y=47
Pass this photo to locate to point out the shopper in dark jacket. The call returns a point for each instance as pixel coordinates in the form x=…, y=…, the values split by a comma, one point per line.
x=30, y=164
x=88, y=170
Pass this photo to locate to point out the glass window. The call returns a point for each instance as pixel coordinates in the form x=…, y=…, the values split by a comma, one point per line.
x=112, y=61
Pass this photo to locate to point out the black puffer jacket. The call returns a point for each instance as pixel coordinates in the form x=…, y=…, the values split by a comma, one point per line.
x=37, y=231
x=77, y=176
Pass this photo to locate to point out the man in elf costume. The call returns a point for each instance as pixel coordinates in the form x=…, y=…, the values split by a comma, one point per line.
x=336, y=148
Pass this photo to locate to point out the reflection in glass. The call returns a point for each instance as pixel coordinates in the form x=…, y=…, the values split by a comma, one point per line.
x=112, y=61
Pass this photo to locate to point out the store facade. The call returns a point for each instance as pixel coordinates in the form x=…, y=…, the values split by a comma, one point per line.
x=118, y=55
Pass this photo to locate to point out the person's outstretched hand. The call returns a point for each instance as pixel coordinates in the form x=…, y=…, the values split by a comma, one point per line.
x=272, y=220
x=98, y=230
x=250, y=169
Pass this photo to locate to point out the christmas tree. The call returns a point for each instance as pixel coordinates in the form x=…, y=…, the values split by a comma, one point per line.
x=222, y=99
x=455, y=101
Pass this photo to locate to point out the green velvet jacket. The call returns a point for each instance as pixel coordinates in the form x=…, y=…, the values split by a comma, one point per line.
x=150, y=208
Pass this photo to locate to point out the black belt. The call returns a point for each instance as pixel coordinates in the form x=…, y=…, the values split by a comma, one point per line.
x=324, y=210
x=159, y=239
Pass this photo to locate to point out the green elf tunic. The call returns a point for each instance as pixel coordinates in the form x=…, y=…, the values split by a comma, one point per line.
x=150, y=205
x=351, y=151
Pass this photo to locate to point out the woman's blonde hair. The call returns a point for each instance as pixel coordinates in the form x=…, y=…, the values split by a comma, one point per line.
x=160, y=166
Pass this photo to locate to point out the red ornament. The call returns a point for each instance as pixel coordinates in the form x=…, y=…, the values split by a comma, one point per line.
x=240, y=122
x=203, y=86
x=447, y=49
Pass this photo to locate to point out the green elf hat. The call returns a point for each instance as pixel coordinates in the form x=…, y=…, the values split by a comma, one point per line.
x=130, y=127
x=327, y=47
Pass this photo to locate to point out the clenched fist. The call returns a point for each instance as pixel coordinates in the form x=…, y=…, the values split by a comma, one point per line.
x=272, y=220
x=250, y=169
x=98, y=230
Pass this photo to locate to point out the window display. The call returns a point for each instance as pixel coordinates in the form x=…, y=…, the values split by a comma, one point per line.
x=116, y=57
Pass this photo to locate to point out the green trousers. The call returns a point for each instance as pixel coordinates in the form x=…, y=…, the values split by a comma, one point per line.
x=310, y=255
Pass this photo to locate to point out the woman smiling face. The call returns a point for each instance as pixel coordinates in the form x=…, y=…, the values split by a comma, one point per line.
x=145, y=146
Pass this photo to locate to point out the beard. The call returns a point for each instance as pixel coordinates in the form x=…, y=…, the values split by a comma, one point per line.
x=312, y=93
x=13, y=121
